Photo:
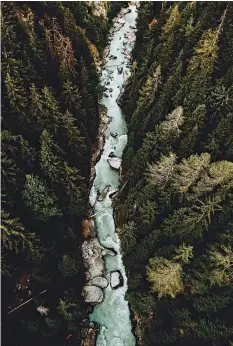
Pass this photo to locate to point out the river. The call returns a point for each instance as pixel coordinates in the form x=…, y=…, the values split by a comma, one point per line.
x=113, y=315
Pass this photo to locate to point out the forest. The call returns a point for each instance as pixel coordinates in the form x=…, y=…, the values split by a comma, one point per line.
x=175, y=215
x=50, y=118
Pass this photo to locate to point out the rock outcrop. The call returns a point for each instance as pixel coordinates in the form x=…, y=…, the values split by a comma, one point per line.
x=113, y=194
x=102, y=196
x=115, y=162
x=88, y=230
x=99, y=281
x=89, y=336
x=98, y=8
x=93, y=294
x=92, y=258
x=116, y=279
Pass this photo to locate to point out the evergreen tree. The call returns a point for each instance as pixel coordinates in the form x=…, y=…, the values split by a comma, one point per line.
x=178, y=164
x=165, y=276
x=39, y=200
x=14, y=237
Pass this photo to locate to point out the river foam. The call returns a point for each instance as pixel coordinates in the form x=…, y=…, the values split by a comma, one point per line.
x=113, y=315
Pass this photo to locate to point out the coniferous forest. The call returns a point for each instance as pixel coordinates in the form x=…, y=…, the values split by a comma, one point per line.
x=175, y=213
x=50, y=119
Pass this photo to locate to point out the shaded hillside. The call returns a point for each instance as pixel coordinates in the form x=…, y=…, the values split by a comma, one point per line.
x=175, y=213
x=50, y=118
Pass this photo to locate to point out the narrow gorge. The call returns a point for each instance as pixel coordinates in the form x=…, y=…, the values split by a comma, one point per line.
x=107, y=281
x=117, y=173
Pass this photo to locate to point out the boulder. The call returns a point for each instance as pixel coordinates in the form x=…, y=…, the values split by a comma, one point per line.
x=110, y=90
x=115, y=162
x=92, y=258
x=120, y=70
x=87, y=229
x=99, y=281
x=113, y=57
x=113, y=134
x=89, y=336
x=112, y=154
x=116, y=279
x=101, y=196
x=93, y=294
x=113, y=194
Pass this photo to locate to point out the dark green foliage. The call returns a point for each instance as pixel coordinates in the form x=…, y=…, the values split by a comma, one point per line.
x=178, y=163
x=50, y=119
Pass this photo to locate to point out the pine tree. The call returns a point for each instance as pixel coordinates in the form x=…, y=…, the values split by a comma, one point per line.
x=188, y=172
x=75, y=141
x=128, y=236
x=14, y=236
x=165, y=276
x=148, y=212
x=184, y=253
x=70, y=96
x=219, y=176
x=68, y=266
x=16, y=93
x=148, y=91
x=60, y=48
x=160, y=174
x=210, y=304
x=171, y=126
x=223, y=263
x=39, y=199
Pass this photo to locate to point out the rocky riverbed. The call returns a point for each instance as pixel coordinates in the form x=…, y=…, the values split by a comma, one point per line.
x=106, y=281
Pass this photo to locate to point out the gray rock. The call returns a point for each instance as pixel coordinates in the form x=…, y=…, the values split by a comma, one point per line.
x=92, y=258
x=113, y=194
x=120, y=70
x=93, y=294
x=115, y=162
x=113, y=134
x=112, y=154
x=113, y=57
x=116, y=279
x=99, y=281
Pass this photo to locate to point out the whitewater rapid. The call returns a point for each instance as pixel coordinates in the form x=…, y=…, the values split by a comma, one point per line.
x=113, y=315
